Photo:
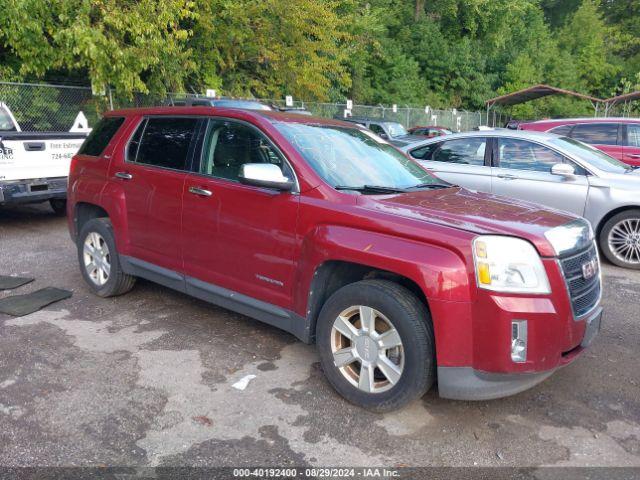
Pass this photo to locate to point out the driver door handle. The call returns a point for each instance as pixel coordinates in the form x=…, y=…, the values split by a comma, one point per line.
x=123, y=175
x=200, y=191
x=633, y=155
x=507, y=176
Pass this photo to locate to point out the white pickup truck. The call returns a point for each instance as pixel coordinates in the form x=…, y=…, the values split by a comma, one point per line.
x=34, y=165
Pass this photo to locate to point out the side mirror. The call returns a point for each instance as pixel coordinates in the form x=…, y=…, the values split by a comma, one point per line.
x=384, y=135
x=564, y=170
x=266, y=175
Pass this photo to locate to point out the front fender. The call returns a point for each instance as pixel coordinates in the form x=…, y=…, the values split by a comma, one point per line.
x=440, y=272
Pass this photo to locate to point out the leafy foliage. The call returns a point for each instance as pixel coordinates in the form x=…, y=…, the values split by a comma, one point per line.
x=454, y=53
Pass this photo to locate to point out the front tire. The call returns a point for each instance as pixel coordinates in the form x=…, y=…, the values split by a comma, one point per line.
x=376, y=344
x=99, y=261
x=620, y=239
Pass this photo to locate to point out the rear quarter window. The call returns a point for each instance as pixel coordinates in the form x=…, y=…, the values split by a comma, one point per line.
x=100, y=136
x=562, y=130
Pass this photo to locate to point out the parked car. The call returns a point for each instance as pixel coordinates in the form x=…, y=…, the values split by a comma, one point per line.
x=323, y=229
x=559, y=172
x=296, y=110
x=219, y=102
x=393, y=132
x=618, y=137
x=429, y=131
x=34, y=165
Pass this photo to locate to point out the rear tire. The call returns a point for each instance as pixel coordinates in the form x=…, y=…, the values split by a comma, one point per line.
x=59, y=206
x=99, y=261
x=387, y=365
x=620, y=239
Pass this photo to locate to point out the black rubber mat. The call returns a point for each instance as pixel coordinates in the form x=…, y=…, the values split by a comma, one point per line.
x=7, y=283
x=19, y=305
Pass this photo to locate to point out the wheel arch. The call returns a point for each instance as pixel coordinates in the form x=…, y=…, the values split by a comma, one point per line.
x=332, y=275
x=612, y=214
x=85, y=211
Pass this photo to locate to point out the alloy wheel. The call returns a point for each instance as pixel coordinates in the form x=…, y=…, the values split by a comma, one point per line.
x=97, y=259
x=367, y=349
x=624, y=240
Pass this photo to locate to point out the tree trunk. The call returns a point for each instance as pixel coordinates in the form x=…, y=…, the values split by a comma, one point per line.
x=419, y=9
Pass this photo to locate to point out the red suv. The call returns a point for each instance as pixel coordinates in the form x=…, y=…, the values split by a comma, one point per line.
x=322, y=229
x=618, y=137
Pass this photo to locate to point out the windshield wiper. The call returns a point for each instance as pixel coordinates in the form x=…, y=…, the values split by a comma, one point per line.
x=431, y=185
x=371, y=188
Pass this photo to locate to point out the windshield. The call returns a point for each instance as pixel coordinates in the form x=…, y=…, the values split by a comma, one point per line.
x=345, y=156
x=592, y=155
x=6, y=123
x=396, y=129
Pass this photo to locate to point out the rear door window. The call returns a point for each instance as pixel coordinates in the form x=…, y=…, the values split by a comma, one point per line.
x=596, y=133
x=164, y=142
x=633, y=136
x=100, y=136
x=468, y=151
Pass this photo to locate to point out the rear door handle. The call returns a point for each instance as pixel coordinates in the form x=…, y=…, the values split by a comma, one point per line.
x=506, y=176
x=124, y=175
x=633, y=155
x=200, y=191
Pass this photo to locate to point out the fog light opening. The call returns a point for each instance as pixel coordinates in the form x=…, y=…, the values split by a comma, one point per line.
x=519, y=341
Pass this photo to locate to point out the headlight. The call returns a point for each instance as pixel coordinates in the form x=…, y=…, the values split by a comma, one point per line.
x=508, y=264
x=571, y=236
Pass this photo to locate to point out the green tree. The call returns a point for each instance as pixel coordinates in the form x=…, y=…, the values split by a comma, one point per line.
x=586, y=38
x=271, y=48
x=132, y=45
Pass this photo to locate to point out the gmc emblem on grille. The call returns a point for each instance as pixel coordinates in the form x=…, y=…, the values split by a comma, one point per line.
x=589, y=269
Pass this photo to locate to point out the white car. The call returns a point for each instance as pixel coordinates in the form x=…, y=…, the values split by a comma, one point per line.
x=548, y=169
x=34, y=165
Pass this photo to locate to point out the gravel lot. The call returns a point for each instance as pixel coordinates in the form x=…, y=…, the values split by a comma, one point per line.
x=146, y=380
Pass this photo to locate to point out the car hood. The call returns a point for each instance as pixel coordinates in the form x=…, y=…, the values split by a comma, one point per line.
x=474, y=212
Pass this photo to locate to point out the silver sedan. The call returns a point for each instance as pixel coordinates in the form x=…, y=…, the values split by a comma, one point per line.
x=548, y=169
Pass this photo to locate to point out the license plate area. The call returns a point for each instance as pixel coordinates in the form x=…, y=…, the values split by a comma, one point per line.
x=593, y=327
x=41, y=187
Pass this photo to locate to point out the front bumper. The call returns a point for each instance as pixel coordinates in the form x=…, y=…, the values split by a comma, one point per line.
x=32, y=190
x=467, y=383
x=474, y=339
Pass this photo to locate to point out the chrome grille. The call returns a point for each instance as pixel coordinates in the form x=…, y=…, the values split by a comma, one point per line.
x=584, y=293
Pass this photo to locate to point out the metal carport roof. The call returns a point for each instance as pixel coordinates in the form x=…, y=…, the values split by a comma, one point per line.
x=537, y=91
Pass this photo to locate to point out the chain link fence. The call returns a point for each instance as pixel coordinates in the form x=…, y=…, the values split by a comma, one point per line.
x=41, y=107
x=44, y=107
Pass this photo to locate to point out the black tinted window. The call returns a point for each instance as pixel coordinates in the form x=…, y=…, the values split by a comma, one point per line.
x=100, y=136
x=165, y=142
x=377, y=129
x=229, y=145
x=596, y=133
x=424, y=153
x=469, y=151
x=561, y=130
